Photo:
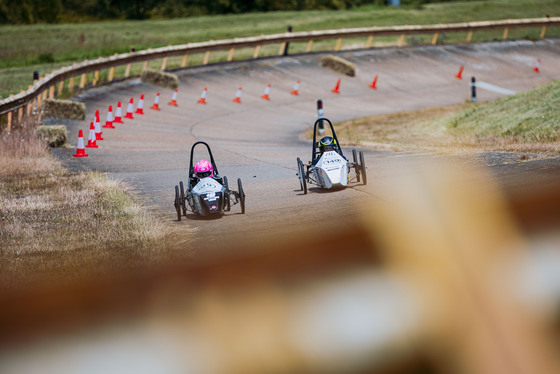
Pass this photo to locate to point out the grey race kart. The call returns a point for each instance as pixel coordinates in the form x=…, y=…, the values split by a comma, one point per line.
x=207, y=196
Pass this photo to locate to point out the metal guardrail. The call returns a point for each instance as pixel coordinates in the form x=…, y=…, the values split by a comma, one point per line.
x=15, y=107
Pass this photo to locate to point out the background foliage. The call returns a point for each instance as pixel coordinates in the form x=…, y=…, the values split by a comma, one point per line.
x=55, y=11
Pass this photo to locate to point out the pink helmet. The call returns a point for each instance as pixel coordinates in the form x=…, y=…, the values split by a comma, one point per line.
x=203, y=169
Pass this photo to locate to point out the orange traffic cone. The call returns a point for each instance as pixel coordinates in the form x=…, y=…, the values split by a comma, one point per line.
x=91, y=137
x=140, y=108
x=109, y=122
x=80, y=150
x=373, y=84
x=537, y=67
x=266, y=94
x=202, y=99
x=459, y=74
x=130, y=109
x=237, y=98
x=295, y=91
x=173, y=99
x=118, y=114
x=97, y=126
x=336, y=88
x=156, y=103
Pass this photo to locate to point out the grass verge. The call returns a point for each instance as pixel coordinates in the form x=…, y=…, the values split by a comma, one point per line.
x=525, y=122
x=58, y=225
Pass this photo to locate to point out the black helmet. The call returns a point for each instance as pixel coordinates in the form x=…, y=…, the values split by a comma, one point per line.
x=327, y=143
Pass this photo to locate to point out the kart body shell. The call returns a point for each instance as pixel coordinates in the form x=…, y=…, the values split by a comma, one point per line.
x=331, y=170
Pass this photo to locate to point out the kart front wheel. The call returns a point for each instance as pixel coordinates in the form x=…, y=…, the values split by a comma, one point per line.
x=301, y=175
x=363, y=167
x=227, y=195
x=356, y=165
x=182, y=194
x=177, y=203
x=241, y=195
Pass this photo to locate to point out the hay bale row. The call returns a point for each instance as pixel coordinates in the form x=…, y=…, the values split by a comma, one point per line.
x=339, y=65
x=67, y=109
x=55, y=136
x=160, y=78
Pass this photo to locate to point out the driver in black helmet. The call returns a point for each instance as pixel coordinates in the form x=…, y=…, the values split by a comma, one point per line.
x=326, y=144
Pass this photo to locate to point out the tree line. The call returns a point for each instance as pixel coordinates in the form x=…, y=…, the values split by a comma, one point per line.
x=54, y=11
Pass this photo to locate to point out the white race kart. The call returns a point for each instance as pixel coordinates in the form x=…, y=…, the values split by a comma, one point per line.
x=330, y=169
x=207, y=196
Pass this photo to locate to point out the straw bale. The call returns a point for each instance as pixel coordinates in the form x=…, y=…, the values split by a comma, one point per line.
x=339, y=65
x=160, y=78
x=66, y=109
x=55, y=135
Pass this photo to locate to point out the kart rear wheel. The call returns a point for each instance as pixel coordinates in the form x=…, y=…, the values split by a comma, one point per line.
x=356, y=165
x=227, y=196
x=301, y=174
x=177, y=203
x=363, y=167
x=183, y=203
x=241, y=195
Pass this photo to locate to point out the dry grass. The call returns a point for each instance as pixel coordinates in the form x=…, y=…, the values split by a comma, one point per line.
x=415, y=131
x=57, y=224
x=394, y=131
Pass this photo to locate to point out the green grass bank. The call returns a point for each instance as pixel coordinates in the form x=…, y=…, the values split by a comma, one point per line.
x=45, y=47
x=525, y=122
x=530, y=116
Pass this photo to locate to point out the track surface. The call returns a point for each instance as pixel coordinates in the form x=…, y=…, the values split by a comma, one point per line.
x=259, y=140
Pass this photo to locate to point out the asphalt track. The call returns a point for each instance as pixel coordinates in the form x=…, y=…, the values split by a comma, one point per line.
x=258, y=140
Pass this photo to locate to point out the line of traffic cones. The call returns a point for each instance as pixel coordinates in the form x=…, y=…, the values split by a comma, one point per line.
x=95, y=133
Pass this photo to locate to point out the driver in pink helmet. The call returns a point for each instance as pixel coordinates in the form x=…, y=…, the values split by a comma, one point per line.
x=203, y=169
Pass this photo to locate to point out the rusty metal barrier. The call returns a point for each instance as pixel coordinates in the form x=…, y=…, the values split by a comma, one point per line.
x=14, y=108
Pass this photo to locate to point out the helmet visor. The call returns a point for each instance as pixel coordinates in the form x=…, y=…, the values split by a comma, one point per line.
x=204, y=174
